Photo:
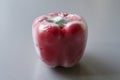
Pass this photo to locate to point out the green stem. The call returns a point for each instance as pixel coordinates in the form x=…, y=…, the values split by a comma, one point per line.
x=58, y=20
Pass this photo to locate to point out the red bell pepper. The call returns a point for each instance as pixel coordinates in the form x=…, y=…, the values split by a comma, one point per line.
x=60, y=38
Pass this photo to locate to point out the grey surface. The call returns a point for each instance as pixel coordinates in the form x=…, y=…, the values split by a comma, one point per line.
x=18, y=58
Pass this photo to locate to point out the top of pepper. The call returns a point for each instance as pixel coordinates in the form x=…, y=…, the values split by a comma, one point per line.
x=59, y=18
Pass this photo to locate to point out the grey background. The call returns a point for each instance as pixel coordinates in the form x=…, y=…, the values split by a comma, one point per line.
x=18, y=58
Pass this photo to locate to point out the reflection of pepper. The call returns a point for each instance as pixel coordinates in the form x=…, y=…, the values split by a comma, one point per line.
x=60, y=38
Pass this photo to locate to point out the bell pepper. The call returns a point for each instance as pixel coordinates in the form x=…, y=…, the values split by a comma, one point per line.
x=60, y=38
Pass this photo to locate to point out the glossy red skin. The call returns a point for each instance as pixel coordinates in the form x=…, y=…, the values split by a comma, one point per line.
x=60, y=46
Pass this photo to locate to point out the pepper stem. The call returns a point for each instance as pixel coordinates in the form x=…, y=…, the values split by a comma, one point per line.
x=58, y=20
